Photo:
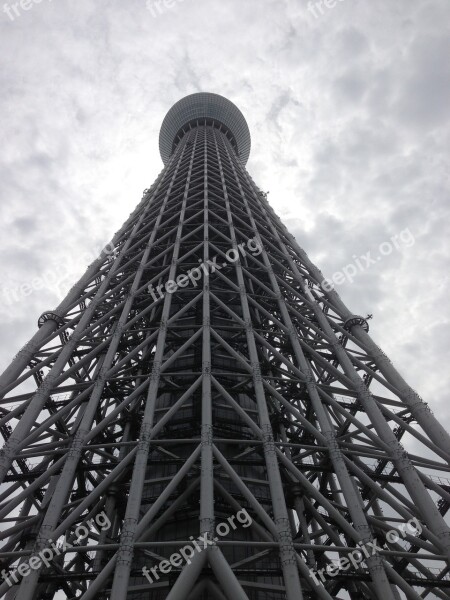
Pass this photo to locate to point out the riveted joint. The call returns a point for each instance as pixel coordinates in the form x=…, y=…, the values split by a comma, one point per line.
x=207, y=435
x=7, y=452
x=27, y=351
x=206, y=370
x=282, y=524
x=292, y=331
x=125, y=556
x=376, y=564
x=45, y=535
x=76, y=337
x=287, y=551
x=257, y=372
x=207, y=527
x=144, y=437
x=333, y=445
x=156, y=371
x=118, y=331
x=268, y=440
x=415, y=402
x=48, y=384
x=310, y=380
x=76, y=446
x=102, y=374
x=380, y=356
x=128, y=528
x=365, y=533
x=399, y=454
x=287, y=556
x=336, y=343
x=361, y=390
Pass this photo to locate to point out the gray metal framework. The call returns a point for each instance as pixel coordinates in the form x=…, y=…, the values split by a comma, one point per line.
x=250, y=387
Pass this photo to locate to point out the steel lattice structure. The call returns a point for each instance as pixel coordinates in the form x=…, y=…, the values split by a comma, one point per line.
x=247, y=386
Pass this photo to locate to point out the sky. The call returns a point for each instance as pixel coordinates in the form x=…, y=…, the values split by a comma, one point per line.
x=348, y=107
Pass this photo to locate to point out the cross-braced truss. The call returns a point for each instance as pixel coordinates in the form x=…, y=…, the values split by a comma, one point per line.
x=249, y=387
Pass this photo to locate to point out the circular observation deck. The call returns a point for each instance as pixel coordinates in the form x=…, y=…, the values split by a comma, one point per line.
x=202, y=108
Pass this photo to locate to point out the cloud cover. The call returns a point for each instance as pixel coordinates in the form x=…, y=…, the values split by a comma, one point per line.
x=349, y=116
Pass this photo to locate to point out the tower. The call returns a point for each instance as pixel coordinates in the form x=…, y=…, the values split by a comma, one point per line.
x=203, y=418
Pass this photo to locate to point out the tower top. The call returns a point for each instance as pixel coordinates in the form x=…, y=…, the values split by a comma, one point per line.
x=212, y=108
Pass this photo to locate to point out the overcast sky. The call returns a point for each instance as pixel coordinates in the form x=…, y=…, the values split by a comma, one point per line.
x=349, y=116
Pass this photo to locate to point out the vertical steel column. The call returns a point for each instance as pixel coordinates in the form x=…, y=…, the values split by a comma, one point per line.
x=207, y=517
x=125, y=553
x=287, y=552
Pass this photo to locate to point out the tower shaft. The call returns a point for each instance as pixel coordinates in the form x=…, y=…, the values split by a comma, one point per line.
x=201, y=418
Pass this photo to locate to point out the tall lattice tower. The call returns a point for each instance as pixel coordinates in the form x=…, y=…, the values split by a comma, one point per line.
x=201, y=418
